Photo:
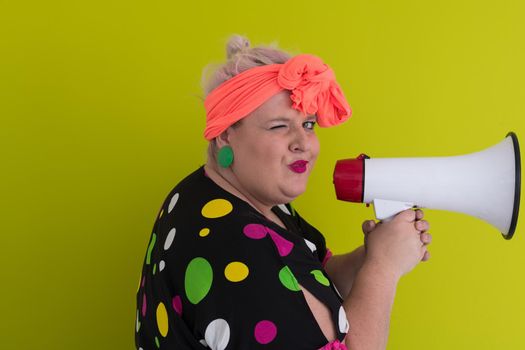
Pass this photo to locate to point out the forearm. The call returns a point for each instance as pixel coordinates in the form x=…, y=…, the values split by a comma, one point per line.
x=368, y=307
x=343, y=269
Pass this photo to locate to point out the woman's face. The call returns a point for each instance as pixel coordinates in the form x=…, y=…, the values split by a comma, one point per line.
x=275, y=149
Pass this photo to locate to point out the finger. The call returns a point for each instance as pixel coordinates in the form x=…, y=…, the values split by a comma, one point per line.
x=422, y=225
x=426, y=238
x=407, y=215
x=368, y=226
x=419, y=214
x=426, y=256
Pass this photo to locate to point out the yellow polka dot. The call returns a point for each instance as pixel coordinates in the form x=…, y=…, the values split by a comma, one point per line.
x=204, y=232
x=236, y=271
x=160, y=215
x=162, y=319
x=216, y=208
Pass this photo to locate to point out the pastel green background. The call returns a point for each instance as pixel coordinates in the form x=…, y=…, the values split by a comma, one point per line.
x=101, y=116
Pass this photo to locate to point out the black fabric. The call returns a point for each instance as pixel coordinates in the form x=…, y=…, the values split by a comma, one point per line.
x=248, y=257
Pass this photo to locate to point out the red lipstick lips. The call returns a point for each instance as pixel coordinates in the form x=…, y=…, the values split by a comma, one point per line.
x=298, y=166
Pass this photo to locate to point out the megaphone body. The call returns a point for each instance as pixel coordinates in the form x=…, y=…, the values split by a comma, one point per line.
x=484, y=184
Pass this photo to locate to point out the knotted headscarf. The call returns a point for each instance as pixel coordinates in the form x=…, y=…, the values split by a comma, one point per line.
x=312, y=83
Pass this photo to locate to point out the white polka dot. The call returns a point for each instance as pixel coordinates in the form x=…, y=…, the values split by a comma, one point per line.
x=169, y=239
x=310, y=245
x=217, y=334
x=162, y=264
x=337, y=290
x=137, y=323
x=140, y=349
x=284, y=209
x=203, y=342
x=343, y=322
x=173, y=201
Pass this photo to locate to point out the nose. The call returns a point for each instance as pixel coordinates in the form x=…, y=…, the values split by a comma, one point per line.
x=299, y=141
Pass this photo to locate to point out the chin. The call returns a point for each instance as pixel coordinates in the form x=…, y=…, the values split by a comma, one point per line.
x=294, y=192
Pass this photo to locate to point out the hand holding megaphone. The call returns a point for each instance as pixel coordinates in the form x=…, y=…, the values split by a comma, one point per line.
x=484, y=184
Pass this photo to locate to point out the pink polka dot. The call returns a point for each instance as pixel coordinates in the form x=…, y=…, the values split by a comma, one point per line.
x=265, y=332
x=144, y=305
x=283, y=246
x=258, y=231
x=176, y=302
x=255, y=231
x=143, y=280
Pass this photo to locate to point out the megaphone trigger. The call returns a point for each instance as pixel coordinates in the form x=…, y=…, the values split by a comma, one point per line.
x=385, y=210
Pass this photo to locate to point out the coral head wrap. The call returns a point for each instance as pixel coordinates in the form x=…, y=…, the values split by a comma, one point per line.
x=312, y=83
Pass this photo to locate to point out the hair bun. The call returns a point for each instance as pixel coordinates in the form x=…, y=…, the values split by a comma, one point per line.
x=236, y=44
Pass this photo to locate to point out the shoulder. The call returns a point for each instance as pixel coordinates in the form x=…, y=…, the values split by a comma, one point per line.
x=202, y=220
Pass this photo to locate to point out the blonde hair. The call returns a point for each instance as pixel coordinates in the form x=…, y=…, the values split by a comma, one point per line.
x=240, y=57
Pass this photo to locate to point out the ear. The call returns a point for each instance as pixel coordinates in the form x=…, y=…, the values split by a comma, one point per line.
x=223, y=139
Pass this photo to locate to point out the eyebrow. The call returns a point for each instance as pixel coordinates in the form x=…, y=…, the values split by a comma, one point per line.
x=286, y=119
x=279, y=119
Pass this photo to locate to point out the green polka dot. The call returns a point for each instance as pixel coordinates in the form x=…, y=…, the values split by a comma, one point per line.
x=288, y=279
x=198, y=279
x=157, y=342
x=320, y=277
x=154, y=268
x=150, y=248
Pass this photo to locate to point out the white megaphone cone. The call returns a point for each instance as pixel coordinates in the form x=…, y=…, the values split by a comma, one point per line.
x=484, y=184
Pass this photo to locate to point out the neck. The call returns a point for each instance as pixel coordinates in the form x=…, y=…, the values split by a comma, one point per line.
x=226, y=179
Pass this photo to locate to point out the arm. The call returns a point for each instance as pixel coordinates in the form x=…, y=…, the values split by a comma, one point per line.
x=343, y=269
x=393, y=249
x=368, y=307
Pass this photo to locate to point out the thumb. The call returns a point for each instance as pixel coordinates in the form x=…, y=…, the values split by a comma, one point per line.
x=368, y=226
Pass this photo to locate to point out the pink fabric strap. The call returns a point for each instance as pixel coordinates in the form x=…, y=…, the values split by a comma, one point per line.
x=312, y=83
x=334, y=345
x=327, y=256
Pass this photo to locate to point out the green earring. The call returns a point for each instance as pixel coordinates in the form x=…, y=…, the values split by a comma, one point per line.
x=225, y=156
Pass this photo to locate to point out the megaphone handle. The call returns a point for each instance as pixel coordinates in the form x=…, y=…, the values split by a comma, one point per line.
x=385, y=210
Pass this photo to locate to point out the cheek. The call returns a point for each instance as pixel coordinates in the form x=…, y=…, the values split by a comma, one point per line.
x=315, y=147
x=257, y=158
x=268, y=151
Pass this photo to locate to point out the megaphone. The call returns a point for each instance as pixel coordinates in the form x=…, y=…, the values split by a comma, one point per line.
x=484, y=184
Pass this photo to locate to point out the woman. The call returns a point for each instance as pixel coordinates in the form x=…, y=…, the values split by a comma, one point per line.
x=230, y=264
